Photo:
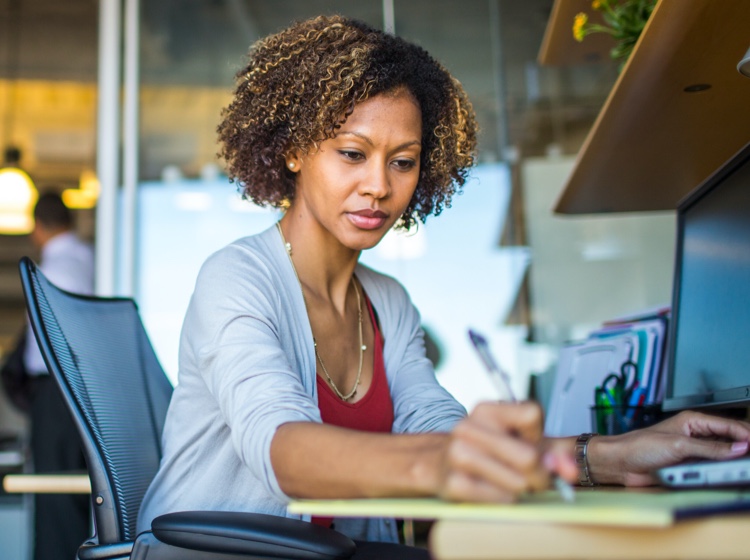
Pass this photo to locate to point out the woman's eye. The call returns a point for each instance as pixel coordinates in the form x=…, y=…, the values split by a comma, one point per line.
x=352, y=155
x=405, y=164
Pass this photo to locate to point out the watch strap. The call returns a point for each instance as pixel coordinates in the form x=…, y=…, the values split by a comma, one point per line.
x=581, y=458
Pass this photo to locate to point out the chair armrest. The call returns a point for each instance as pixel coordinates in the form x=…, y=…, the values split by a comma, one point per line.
x=115, y=551
x=251, y=533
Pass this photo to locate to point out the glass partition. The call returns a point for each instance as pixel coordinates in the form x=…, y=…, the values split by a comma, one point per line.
x=190, y=52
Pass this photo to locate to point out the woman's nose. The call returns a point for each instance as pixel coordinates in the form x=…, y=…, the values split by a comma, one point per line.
x=376, y=182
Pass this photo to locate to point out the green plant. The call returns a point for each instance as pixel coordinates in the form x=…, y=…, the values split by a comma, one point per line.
x=623, y=20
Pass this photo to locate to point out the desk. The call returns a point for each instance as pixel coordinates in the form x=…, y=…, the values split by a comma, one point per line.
x=717, y=538
x=47, y=483
x=604, y=523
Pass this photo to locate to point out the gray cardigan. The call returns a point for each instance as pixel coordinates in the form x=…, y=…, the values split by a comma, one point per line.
x=247, y=365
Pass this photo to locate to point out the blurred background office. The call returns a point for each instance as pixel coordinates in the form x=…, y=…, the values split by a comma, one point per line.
x=117, y=102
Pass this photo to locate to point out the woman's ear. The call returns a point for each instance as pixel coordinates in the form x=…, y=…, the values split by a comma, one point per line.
x=293, y=162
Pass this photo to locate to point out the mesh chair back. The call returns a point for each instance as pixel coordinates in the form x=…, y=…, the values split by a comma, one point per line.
x=99, y=353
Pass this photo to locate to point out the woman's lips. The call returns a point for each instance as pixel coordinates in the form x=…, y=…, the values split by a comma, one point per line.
x=368, y=219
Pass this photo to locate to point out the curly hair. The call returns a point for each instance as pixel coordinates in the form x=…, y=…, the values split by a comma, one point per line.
x=302, y=83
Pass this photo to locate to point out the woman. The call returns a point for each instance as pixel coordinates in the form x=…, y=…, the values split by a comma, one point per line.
x=303, y=372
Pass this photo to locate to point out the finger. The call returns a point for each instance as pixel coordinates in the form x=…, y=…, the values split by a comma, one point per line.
x=558, y=458
x=469, y=463
x=561, y=464
x=524, y=418
x=466, y=460
x=464, y=488
x=703, y=425
x=509, y=449
x=688, y=447
x=696, y=424
x=501, y=460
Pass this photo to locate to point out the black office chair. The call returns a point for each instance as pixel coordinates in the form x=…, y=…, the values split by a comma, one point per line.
x=99, y=354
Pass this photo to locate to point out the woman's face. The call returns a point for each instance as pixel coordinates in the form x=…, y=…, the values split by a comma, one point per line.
x=357, y=184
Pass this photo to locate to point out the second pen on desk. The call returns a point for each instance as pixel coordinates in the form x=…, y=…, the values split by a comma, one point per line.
x=501, y=380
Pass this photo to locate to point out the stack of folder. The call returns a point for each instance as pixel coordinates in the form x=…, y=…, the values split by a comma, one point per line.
x=632, y=349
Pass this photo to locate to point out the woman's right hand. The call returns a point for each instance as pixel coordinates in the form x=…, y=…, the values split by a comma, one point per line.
x=497, y=453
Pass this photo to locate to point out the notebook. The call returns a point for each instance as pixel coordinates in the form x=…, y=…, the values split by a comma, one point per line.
x=616, y=507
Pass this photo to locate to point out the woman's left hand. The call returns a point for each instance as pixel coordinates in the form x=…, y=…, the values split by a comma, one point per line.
x=631, y=458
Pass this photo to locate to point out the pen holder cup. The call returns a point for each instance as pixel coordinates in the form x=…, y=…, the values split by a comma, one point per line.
x=612, y=420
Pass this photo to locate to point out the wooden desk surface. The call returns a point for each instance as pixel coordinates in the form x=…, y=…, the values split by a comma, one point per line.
x=47, y=483
x=717, y=538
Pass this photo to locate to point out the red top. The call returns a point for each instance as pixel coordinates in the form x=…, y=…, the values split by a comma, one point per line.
x=372, y=413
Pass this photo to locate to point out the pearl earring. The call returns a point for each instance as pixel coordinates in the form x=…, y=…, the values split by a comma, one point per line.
x=291, y=165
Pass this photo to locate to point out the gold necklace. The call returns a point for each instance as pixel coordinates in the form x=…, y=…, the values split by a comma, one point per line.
x=362, y=347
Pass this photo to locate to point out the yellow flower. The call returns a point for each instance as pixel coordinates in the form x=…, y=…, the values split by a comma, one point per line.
x=596, y=4
x=578, y=26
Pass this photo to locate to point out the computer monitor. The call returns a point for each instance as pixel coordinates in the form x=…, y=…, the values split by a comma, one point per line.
x=709, y=359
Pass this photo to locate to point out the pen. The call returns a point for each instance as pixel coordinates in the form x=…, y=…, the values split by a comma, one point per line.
x=501, y=380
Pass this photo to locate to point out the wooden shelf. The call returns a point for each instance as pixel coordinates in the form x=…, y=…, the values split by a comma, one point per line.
x=654, y=141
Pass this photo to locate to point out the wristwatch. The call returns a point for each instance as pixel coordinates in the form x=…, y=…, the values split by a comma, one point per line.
x=582, y=461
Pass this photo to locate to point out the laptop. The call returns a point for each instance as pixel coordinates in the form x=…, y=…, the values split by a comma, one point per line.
x=708, y=363
x=707, y=474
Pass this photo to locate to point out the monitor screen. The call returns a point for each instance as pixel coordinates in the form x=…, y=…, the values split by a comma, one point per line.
x=709, y=358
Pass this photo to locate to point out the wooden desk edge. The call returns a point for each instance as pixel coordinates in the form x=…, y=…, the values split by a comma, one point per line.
x=47, y=483
x=718, y=538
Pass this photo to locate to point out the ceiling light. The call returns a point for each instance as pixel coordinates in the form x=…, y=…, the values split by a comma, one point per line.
x=18, y=195
x=87, y=193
